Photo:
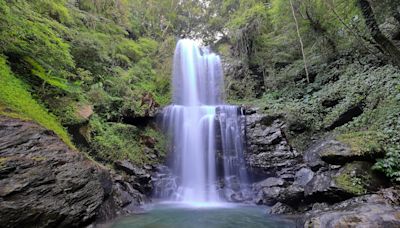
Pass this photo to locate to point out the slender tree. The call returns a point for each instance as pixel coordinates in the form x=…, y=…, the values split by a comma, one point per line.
x=321, y=30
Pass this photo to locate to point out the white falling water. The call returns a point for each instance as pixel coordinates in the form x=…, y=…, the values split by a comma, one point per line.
x=201, y=126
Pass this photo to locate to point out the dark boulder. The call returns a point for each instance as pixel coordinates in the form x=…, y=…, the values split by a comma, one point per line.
x=44, y=183
x=280, y=209
x=273, y=190
x=376, y=210
x=322, y=188
x=334, y=185
x=268, y=196
x=269, y=182
x=345, y=148
x=139, y=178
x=292, y=195
x=356, y=146
x=268, y=190
x=312, y=157
x=303, y=176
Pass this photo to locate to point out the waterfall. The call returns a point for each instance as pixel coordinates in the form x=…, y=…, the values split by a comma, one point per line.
x=206, y=135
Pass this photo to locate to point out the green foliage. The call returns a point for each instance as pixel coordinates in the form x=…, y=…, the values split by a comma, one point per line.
x=390, y=165
x=24, y=32
x=130, y=49
x=115, y=10
x=338, y=86
x=15, y=97
x=161, y=141
x=389, y=122
x=53, y=9
x=116, y=141
x=93, y=52
x=57, y=82
x=249, y=12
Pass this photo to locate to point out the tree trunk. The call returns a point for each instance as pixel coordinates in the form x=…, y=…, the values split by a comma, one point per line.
x=396, y=15
x=301, y=42
x=318, y=28
x=387, y=46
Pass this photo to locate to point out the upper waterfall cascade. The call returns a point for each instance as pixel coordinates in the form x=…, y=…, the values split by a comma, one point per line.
x=207, y=136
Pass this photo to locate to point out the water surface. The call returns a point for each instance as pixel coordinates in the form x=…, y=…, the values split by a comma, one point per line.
x=203, y=216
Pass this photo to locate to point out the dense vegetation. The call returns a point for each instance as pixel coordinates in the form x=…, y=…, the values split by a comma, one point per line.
x=326, y=66
x=61, y=56
x=310, y=61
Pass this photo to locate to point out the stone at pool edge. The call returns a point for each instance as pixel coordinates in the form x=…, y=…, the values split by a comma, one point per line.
x=369, y=211
x=280, y=209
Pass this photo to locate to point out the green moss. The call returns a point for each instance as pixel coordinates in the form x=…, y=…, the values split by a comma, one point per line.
x=38, y=158
x=3, y=160
x=358, y=178
x=328, y=151
x=351, y=184
x=58, y=55
x=363, y=143
x=17, y=102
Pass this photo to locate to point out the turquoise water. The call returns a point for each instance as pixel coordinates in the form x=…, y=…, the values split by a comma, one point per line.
x=216, y=216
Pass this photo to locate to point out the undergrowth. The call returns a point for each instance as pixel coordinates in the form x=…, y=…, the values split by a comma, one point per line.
x=310, y=109
x=16, y=101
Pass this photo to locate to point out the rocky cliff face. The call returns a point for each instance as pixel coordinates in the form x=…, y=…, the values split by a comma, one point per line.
x=331, y=182
x=43, y=183
x=268, y=150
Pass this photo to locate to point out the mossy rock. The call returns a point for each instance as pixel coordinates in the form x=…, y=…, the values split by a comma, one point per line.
x=357, y=146
x=3, y=161
x=357, y=178
x=366, y=143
